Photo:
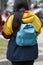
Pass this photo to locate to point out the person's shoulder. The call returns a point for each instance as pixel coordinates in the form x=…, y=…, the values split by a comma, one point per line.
x=28, y=13
x=31, y=12
x=11, y=16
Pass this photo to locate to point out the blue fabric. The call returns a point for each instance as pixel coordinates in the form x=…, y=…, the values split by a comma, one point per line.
x=26, y=36
x=21, y=53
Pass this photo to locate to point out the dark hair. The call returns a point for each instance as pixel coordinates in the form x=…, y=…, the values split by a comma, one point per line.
x=20, y=4
x=16, y=22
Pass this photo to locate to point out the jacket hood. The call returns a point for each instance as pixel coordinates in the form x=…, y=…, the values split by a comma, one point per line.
x=30, y=17
x=27, y=17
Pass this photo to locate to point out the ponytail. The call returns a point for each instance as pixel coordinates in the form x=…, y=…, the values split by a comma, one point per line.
x=16, y=22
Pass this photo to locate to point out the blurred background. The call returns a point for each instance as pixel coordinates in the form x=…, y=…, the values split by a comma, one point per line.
x=7, y=9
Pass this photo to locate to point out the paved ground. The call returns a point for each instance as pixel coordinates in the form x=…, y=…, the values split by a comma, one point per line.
x=5, y=62
x=38, y=63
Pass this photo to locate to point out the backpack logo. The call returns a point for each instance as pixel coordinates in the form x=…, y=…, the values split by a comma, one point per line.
x=26, y=36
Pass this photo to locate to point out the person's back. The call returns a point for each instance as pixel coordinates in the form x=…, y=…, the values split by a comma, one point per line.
x=21, y=55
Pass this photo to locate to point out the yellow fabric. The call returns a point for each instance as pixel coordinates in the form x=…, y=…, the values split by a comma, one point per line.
x=32, y=18
x=7, y=28
x=27, y=18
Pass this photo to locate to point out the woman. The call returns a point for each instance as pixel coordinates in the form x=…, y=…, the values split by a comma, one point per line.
x=19, y=55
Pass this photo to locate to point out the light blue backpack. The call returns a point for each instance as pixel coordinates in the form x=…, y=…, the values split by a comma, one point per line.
x=26, y=36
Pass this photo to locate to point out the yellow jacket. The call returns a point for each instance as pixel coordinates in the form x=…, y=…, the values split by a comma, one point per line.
x=28, y=17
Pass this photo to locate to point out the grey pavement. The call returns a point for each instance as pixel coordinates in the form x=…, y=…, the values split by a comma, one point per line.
x=40, y=38
x=38, y=63
x=6, y=62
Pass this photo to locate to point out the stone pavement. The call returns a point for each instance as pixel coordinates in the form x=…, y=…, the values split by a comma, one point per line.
x=6, y=62
x=38, y=63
